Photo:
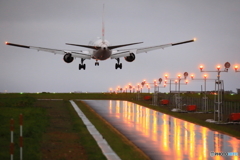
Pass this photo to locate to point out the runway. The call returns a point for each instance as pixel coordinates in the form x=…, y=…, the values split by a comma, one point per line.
x=161, y=136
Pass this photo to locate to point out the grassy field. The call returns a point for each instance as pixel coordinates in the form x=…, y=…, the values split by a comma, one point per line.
x=37, y=131
x=51, y=130
x=33, y=127
x=66, y=136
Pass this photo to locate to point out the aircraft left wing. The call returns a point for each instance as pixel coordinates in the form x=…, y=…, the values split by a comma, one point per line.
x=151, y=48
x=76, y=54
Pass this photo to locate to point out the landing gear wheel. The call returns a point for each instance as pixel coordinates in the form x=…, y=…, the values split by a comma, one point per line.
x=120, y=65
x=82, y=66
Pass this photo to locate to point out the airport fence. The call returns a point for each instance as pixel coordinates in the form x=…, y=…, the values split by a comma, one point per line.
x=227, y=106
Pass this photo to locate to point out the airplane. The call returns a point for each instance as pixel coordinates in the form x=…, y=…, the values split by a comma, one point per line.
x=100, y=50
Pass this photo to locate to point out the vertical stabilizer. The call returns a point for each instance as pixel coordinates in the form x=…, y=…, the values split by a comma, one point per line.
x=103, y=28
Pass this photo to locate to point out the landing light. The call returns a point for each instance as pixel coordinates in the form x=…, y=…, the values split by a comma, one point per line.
x=194, y=39
x=6, y=43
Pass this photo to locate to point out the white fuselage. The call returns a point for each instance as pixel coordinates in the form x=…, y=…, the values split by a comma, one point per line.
x=102, y=52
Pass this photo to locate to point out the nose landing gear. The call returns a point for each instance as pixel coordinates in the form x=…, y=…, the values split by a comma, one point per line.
x=96, y=63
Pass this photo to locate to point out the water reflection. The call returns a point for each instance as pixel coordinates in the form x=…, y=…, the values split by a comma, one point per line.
x=161, y=136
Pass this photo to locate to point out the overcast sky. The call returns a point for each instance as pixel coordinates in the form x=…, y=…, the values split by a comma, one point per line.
x=52, y=23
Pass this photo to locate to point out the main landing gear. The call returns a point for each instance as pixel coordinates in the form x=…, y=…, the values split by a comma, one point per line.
x=118, y=65
x=82, y=66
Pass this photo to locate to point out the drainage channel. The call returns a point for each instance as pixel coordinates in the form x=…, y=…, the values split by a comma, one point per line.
x=102, y=143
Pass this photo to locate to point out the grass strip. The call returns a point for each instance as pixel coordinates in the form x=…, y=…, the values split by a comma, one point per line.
x=92, y=150
x=124, y=148
x=66, y=136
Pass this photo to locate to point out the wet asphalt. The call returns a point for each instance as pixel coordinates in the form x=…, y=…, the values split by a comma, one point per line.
x=161, y=136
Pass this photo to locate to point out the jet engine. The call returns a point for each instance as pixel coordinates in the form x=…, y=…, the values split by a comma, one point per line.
x=68, y=58
x=130, y=58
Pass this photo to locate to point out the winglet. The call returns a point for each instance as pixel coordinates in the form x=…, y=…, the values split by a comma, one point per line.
x=174, y=44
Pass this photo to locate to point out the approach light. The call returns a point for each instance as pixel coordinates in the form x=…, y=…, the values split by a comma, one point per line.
x=186, y=81
x=166, y=76
x=218, y=67
x=164, y=85
x=192, y=76
x=201, y=68
x=179, y=76
x=236, y=68
x=205, y=76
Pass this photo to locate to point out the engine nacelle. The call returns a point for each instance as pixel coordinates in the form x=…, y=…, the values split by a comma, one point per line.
x=130, y=58
x=68, y=58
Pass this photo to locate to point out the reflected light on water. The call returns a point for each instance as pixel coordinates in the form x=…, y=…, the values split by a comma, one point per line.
x=169, y=137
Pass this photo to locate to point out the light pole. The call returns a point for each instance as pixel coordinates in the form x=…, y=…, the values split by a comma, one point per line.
x=130, y=87
x=143, y=83
x=205, y=98
x=220, y=88
x=156, y=90
x=178, y=99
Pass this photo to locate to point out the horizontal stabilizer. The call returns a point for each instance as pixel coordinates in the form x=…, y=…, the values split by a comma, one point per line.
x=123, y=45
x=85, y=46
